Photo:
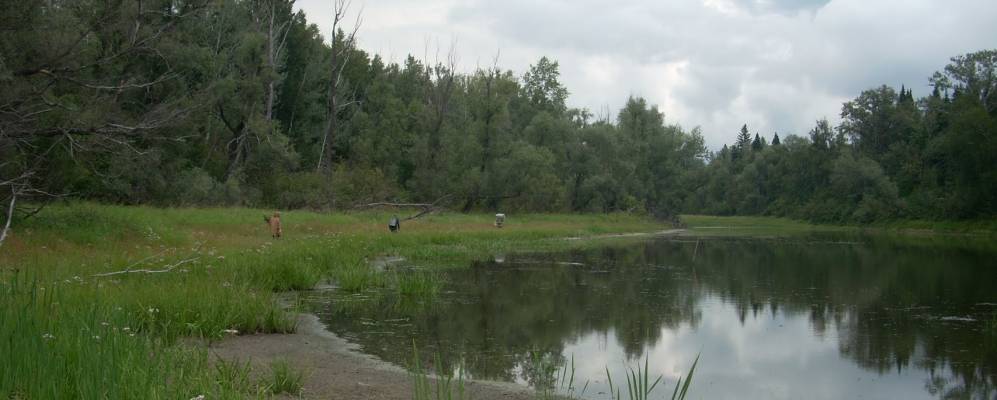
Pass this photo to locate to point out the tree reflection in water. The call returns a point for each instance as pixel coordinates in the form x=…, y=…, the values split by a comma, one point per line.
x=891, y=304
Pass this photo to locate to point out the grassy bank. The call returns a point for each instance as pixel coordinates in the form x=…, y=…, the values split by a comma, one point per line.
x=714, y=225
x=96, y=297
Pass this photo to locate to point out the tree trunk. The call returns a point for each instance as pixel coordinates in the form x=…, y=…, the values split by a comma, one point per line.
x=271, y=65
x=10, y=215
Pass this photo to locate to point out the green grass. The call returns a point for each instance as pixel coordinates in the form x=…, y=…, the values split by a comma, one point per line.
x=978, y=235
x=222, y=272
x=974, y=227
x=57, y=347
x=705, y=225
x=423, y=285
x=714, y=226
x=639, y=386
x=448, y=385
x=284, y=379
x=553, y=381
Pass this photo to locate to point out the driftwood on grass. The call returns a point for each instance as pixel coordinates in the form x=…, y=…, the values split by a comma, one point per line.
x=167, y=268
x=427, y=208
x=399, y=205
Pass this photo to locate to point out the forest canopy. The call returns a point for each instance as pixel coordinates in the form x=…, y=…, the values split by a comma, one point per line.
x=204, y=102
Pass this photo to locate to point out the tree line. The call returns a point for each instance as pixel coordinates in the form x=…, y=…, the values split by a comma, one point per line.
x=892, y=156
x=212, y=102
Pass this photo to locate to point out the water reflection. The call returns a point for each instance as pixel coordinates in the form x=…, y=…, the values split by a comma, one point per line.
x=808, y=317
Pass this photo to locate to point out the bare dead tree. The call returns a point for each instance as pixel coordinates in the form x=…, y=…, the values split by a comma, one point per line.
x=490, y=76
x=10, y=215
x=442, y=79
x=342, y=48
x=274, y=18
x=424, y=208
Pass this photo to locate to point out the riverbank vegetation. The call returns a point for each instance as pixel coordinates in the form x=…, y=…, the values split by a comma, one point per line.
x=248, y=104
x=98, y=297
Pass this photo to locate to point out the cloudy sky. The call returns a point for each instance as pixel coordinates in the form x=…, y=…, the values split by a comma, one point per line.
x=776, y=65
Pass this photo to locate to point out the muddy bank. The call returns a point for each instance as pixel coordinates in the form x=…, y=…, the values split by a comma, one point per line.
x=334, y=369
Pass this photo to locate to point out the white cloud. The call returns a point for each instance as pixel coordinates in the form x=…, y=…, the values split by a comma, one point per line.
x=776, y=65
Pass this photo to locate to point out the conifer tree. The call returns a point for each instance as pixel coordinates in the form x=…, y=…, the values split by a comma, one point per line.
x=743, y=138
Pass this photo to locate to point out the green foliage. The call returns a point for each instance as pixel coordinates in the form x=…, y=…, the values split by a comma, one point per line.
x=442, y=387
x=639, y=386
x=119, y=336
x=241, y=119
x=553, y=380
x=227, y=103
x=96, y=349
x=893, y=156
x=284, y=379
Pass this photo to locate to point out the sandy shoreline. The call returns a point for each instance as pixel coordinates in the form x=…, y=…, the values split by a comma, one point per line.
x=335, y=369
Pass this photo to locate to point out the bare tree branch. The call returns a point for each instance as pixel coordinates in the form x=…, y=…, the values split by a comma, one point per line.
x=10, y=214
x=166, y=268
x=339, y=58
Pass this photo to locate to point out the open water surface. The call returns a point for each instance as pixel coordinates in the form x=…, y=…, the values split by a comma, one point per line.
x=806, y=317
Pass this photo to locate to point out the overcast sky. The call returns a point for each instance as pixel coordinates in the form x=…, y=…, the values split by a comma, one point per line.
x=777, y=65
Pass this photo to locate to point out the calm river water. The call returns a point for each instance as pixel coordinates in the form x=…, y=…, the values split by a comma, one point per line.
x=807, y=317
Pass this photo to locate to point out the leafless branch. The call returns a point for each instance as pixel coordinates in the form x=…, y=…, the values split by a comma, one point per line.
x=399, y=205
x=122, y=86
x=427, y=208
x=10, y=214
x=340, y=57
x=166, y=268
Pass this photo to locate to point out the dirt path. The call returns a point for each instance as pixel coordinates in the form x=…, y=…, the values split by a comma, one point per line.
x=334, y=369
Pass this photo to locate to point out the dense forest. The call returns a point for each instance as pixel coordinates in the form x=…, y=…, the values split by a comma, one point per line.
x=206, y=102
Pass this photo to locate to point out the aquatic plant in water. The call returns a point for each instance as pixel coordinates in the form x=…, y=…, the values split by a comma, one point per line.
x=445, y=386
x=638, y=387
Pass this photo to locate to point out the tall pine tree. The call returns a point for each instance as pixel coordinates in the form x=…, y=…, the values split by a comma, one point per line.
x=743, y=138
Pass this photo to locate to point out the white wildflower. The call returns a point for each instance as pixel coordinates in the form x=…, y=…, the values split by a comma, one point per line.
x=48, y=336
x=231, y=331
